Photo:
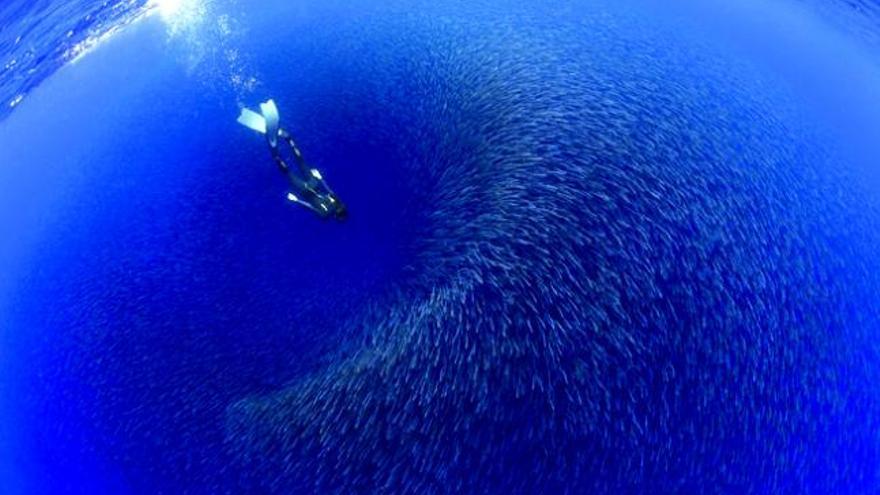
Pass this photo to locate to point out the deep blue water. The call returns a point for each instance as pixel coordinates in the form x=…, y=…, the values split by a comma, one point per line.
x=593, y=247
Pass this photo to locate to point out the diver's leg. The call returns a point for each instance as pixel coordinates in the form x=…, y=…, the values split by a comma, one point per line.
x=282, y=165
x=311, y=179
x=297, y=154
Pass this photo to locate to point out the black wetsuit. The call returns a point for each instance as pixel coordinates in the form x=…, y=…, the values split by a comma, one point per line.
x=308, y=187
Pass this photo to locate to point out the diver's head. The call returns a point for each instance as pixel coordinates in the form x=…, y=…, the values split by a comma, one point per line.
x=335, y=207
x=341, y=212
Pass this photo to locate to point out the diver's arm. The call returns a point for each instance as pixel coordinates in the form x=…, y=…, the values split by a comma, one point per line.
x=295, y=199
x=322, y=210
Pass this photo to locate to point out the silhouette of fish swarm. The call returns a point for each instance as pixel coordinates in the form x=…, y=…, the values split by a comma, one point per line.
x=633, y=272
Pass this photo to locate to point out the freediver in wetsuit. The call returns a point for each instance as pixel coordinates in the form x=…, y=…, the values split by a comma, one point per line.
x=308, y=187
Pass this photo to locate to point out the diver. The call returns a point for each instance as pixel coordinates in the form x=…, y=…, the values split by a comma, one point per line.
x=308, y=187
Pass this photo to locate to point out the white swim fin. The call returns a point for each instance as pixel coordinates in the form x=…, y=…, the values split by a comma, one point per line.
x=272, y=119
x=252, y=120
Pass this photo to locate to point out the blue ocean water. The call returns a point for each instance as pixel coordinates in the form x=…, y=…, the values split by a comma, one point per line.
x=593, y=247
